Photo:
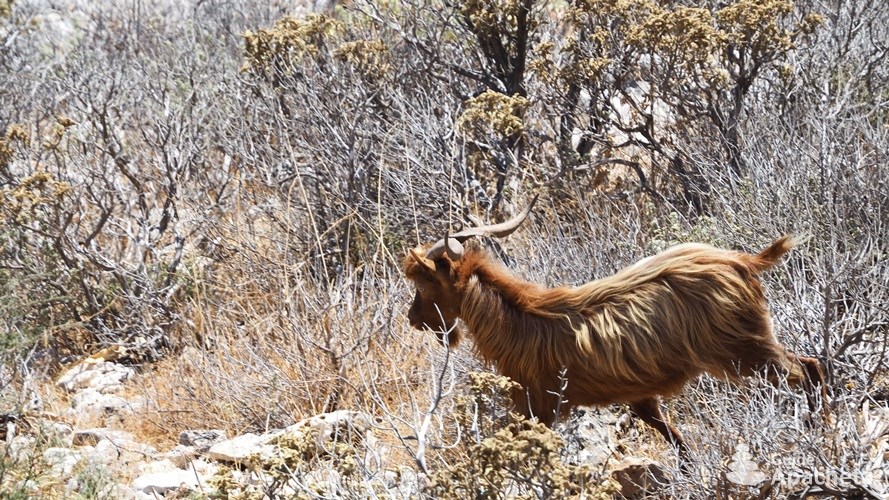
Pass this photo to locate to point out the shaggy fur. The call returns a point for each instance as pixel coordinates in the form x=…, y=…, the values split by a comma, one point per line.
x=641, y=333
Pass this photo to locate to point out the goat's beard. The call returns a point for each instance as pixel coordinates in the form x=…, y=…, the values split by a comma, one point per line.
x=451, y=338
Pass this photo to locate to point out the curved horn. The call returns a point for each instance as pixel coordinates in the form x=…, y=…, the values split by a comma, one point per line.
x=452, y=244
x=497, y=230
x=453, y=248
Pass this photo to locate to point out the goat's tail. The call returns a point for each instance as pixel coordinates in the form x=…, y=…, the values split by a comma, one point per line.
x=770, y=256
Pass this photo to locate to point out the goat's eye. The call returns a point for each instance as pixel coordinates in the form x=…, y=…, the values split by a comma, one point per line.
x=421, y=288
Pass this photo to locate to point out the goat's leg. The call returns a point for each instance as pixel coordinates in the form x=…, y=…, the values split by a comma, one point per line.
x=807, y=373
x=649, y=410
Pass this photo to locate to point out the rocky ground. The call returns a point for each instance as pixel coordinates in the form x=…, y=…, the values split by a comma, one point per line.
x=281, y=462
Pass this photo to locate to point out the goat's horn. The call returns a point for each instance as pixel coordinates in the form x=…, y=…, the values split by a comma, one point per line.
x=447, y=245
x=453, y=247
x=496, y=230
x=452, y=244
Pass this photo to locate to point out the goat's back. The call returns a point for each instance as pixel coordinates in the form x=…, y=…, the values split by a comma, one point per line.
x=690, y=309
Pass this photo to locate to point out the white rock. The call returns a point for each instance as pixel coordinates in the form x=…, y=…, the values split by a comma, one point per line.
x=61, y=460
x=587, y=436
x=103, y=376
x=90, y=403
x=743, y=469
x=163, y=482
x=339, y=424
x=31, y=485
x=328, y=481
x=119, y=491
x=119, y=453
x=405, y=482
x=163, y=475
x=21, y=447
x=204, y=468
x=162, y=465
x=239, y=448
x=57, y=432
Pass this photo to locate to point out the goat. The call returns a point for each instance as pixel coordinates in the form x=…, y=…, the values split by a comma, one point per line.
x=628, y=338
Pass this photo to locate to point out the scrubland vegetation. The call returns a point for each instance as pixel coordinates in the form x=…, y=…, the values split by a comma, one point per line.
x=226, y=191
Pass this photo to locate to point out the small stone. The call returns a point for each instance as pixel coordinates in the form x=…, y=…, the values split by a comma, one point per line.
x=90, y=403
x=120, y=492
x=339, y=424
x=588, y=437
x=121, y=452
x=204, y=468
x=403, y=483
x=73, y=484
x=162, y=465
x=325, y=482
x=202, y=439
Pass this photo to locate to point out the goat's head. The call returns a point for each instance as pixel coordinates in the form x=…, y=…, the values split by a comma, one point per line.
x=434, y=270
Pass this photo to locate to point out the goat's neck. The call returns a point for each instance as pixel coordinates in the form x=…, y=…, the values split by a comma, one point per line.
x=513, y=326
x=496, y=307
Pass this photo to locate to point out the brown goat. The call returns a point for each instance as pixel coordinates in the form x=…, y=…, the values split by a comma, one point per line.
x=628, y=338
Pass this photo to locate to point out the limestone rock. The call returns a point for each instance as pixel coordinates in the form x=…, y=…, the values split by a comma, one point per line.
x=204, y=468
x=125, y=449
x=164, y=482
x=327, y=482
x=330, y=422
x=239, y=448
x=61, y=460
x=20, y=447
x=90, y=403
x=157, y=466
x=56, y=432
x=117, y=454
x=341, y=424
x=163, y=476
x=91, y=373
x=404, y=482
x=588, y=436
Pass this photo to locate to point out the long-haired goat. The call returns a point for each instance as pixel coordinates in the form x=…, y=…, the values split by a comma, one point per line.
x=628, y=338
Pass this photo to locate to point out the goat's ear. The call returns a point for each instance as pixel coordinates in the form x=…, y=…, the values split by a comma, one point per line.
x=423, y=261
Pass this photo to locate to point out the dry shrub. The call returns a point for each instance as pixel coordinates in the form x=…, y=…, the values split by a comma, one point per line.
x=505, y=455
x=288, y=42
x=285, y=469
